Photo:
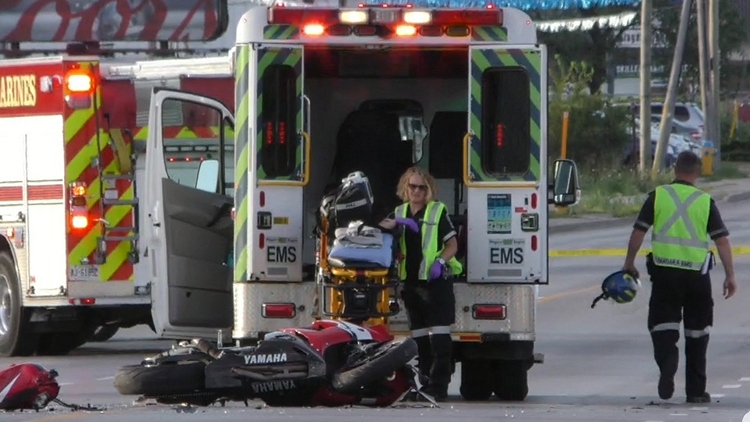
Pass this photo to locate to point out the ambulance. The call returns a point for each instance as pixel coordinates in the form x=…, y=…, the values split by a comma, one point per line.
x=321, y=92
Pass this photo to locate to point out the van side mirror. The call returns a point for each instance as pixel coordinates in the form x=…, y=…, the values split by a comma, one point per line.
x=565, y=190
x=208, y=176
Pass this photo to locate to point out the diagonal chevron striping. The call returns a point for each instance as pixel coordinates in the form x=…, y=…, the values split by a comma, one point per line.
x=530, y=60
x=242, y=163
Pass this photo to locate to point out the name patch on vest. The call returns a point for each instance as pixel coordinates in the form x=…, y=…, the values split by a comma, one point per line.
x=675, y=262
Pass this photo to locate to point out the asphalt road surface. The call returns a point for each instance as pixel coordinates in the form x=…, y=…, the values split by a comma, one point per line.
x=598, y=362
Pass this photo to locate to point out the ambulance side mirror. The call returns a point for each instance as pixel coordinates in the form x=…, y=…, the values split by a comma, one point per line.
x=565, y=189
x=208, y=176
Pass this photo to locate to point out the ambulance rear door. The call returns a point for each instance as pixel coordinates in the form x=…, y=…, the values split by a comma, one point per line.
x=505, y=165
x=282, y=148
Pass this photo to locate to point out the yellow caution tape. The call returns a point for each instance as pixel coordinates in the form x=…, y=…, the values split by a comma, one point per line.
x=737, y=250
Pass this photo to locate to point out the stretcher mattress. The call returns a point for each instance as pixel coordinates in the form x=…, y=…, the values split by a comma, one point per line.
x=382, y=255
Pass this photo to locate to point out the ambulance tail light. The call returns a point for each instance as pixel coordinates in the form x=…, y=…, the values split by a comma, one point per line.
x=489, y=311
x=417, y=17
x=79, y=212
x=278, y=310
x=406, y=30
x=314, y=29
x=354, y=17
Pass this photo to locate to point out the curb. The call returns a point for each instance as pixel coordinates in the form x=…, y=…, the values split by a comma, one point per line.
x=738, y=197
x=591, y=225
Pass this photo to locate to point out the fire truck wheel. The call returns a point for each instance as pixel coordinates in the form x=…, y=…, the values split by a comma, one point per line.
x=512, y=384
x=17, y=337
x=475, y=379
x=386, y=359
x=104, y=333
x=161, y=380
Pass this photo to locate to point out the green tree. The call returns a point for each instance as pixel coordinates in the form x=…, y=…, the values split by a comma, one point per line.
x=589, y=46
x=732, y=36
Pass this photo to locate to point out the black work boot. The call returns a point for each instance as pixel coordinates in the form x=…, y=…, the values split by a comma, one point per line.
x=703, y=398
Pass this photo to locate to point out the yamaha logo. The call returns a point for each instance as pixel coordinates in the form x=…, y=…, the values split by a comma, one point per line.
x=268, y=358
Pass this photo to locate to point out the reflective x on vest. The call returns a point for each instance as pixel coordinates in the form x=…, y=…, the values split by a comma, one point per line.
x=685, y=248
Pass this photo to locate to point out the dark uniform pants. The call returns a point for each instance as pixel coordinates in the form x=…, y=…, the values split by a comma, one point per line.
x=678, y=295
x=430, y=308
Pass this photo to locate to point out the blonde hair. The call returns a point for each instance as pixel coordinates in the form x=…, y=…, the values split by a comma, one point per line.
x=403, y=184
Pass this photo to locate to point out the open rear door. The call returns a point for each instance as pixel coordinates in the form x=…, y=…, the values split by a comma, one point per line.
x=505, y=165
x=189, y=173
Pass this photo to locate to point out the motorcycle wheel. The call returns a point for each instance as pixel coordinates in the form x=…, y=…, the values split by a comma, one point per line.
x=387, y=359
x=160, y=380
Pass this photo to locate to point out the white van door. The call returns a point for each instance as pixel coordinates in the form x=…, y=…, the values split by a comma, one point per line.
x=189, y=157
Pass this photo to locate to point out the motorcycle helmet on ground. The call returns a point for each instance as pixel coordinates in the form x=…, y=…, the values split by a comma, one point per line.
x=620, y=286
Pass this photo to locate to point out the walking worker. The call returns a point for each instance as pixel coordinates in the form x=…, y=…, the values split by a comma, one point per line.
x=428, y=249
x=683, y=219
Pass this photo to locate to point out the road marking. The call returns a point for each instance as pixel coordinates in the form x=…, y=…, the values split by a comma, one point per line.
x=678, y=414
x=717, y=396
x=566, y=294
x=570, y=253
x=64, y=383
x=699, y=408
x=731, y=386
x=105, y=378
x=744, y=379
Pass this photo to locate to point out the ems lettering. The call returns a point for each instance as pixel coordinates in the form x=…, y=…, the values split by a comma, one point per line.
x=17, y=91
x=267, y=358
x=506, y=255
x=271, y=386
x=283, y=254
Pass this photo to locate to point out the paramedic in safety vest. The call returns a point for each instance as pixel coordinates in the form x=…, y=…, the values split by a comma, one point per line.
x=683, y=219
x=428, y=248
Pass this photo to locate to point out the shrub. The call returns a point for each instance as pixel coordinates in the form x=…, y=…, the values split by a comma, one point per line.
x=599, y=132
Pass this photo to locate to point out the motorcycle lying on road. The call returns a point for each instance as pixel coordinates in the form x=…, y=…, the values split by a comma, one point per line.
x=348, y=359
x=330, y=363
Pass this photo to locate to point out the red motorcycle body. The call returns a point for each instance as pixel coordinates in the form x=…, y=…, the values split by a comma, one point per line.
x=27, y=386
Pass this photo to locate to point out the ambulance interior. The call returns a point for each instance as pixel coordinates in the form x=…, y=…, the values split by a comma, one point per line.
x=380, y=112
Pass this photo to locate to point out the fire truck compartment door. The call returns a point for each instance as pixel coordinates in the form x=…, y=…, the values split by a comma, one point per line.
x=190, y=228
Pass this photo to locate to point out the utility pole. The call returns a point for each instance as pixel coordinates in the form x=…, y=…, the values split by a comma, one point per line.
x=714, y=53
x=667, y=113
x=700, y=6
x=645, y=71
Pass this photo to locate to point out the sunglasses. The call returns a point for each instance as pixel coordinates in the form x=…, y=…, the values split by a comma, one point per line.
x=415, y=187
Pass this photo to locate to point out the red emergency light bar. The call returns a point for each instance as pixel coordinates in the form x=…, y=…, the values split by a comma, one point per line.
x=385, y=16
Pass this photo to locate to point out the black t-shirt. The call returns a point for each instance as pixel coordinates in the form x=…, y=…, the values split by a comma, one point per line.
x=645, y=220
x=414, y=240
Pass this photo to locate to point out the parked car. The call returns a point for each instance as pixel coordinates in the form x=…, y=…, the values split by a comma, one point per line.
x=688, y=118
x=677, y=144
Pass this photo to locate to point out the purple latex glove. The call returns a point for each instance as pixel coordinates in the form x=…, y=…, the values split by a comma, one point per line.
x=436, y=271
x=408, y=222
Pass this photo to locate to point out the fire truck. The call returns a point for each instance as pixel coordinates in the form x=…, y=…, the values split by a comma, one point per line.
x=71, y=254
x=196, y=213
